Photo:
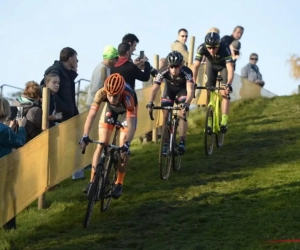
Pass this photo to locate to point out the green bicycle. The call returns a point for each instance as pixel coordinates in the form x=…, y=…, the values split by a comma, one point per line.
x=213, y=118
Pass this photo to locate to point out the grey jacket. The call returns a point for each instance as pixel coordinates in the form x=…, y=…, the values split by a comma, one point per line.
x=251, y=73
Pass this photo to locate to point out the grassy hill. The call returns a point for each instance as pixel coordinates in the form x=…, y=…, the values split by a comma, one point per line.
x=242, y=196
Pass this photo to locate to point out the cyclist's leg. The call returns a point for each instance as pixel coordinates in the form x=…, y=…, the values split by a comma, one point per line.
x=225, y=103
x=211, y=79
x=183, y=125
x=167, y=99
x=118, y=188
x=104, y=132
x=211, y=74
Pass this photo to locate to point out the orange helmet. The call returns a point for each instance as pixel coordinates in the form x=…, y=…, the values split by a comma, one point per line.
x=114, y=84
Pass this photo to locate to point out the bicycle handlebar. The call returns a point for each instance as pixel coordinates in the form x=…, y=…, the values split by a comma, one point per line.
x=102, y=144
x=118, y=125
x=213, y=88
x=166, y=108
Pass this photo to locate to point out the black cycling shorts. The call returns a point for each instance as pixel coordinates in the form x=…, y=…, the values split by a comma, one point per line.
x=212, y=73
x=168, y=96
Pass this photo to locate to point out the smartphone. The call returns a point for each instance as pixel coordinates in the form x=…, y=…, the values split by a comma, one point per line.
x=142, y=54
x=19, y=113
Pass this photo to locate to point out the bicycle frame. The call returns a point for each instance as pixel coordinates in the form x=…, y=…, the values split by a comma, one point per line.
x=106, y=149
x=172, y=118
x=216, y=103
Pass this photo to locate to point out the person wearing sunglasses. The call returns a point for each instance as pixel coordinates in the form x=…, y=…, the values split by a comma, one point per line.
x=178, y=82
x=251, y=71
x=120, y=99
x=219, y=57
x=180, y=45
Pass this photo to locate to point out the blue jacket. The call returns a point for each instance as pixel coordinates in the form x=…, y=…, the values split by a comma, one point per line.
x=9, y=139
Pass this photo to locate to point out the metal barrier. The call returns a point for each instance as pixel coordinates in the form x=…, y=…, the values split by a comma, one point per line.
x=10, y=86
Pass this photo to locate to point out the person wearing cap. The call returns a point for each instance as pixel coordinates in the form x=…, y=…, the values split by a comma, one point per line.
x=101, y=72
x=233, y=43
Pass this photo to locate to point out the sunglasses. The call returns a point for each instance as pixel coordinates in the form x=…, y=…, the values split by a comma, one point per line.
x=254, y=59
x=209, y=47
x=174, y=66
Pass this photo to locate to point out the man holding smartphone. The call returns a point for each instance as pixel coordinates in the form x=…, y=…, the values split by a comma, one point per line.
x=129, y=70
x=132, y=40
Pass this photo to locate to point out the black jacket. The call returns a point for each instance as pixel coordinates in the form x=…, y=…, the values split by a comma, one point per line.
x=131, y=72
x=66, y=92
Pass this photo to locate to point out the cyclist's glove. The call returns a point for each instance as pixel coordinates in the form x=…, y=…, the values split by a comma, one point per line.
x=125, y=147
x=150, y=105
x=230, y=87
x=185, y=106
x=85, y=140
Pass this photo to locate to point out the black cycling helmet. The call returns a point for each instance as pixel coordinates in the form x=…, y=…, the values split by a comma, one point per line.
x=174, y=58
x=212, y=39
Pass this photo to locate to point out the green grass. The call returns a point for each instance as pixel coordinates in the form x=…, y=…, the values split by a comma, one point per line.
x=246, y=193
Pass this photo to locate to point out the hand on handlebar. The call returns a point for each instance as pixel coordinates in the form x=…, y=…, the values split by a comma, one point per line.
x=125, y=147
x=228, y=88
x=149, y=106
x=84, y=141
x=184, y=107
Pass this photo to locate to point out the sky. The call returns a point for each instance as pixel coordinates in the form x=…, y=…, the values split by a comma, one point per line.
x=32, y=33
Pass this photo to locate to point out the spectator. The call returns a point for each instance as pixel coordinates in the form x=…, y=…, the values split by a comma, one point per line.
x=10, y=140
x=110, y=57
x=213, y=29
x=66, y=69
x=129, y=70
x=57, y=106
x=251, y=71
x=228, y=40
x=180, y=45
x=30, y=102
x=132, y=40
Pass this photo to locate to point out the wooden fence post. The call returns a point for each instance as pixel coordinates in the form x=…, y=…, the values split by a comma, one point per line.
x=45, y=122
x=191, y=49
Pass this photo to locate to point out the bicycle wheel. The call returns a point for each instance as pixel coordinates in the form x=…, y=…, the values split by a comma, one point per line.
x=93, y=196
x=110, y=177
x=209, y=135
x=176, y=158
x=219, y=135
x=165, y=159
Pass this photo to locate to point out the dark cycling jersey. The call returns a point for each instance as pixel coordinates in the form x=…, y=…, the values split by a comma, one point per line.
x=222, y=57
x=174, y=82
x=126, y=100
